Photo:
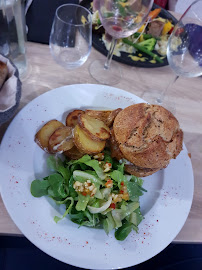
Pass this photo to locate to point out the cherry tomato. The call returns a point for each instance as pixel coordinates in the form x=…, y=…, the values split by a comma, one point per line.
x=113, y=205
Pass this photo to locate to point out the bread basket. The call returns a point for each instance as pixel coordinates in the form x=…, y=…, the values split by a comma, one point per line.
x=10, y=92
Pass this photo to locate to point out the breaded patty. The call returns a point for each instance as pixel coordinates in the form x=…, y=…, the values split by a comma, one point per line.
x=148, y=135
x=114, y=147
x=138, y=171
x=129, y=168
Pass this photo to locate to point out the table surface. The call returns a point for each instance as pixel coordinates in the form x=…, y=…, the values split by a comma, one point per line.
x=44, y=74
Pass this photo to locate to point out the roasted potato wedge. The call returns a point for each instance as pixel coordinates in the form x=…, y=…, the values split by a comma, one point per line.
x=72, y=118
x=85, y=143
x=110, y=119
x=106, y=116
x=61, y=140
x=100, y=115
x=73, y=153
x=43, y=135
x=95, y=128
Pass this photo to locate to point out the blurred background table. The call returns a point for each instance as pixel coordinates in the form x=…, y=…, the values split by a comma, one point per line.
x=44, y=74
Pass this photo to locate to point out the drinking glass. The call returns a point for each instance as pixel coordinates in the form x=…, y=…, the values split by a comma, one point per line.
x=120, y=19
x=71, y=36
x=184, y=50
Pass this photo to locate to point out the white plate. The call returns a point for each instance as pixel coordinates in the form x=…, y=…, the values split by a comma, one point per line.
x=165, y=206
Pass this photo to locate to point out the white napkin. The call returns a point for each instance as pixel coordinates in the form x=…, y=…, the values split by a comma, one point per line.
x=9, y=88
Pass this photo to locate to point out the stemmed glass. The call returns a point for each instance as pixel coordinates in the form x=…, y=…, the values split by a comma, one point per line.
x=120, y=19
x=71, y=35
x=184, y=51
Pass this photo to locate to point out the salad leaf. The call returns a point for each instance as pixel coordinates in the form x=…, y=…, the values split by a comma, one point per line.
x=95, y=165
x=135, y=189
x=117, y=215
x=72, y=191
x=108, y=223
x=56, y=184
x=56, y=218
x=52, y=163
x=84, y=218
x=98, y=193
x=135, y=217
x=76, y=216
x=132, y=218
x=126, y=210
x=107, y=157
x=56, y=164
x=82, y=202
x=63, y=201
x=39, y=188
x=122, y=232
x=115, y=164
x=86, y=159
x=139, y=216
x=92, y=221
x=119, y=177
x=137, y=180
x=74, y=167
x=83, y=176
x=83, y=159
x=132, y=206
x=120, y=168
x=96, y=203
x=83, y=166
x=105, y=193
x=65, y=172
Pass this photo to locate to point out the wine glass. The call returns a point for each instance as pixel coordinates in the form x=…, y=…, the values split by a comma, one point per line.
x=71, y=35
x=184, y=51
x=120, y=19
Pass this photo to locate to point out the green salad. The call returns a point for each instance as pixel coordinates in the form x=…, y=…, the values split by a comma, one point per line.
x=95, y=191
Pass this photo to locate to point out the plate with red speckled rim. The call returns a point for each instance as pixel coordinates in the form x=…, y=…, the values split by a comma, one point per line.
x=165, y=206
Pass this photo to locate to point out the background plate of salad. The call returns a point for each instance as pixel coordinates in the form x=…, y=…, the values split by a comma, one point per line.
x=152, y=36
x=164, y=207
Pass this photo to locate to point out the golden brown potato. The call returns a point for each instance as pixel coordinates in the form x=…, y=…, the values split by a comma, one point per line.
x=95, y=128
x=43, y=135
x=61, y=140
x=73, y=153
x=72, y=118
x=85, y=144
x=106, y=116
x=111, y=117
x=100, y=115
